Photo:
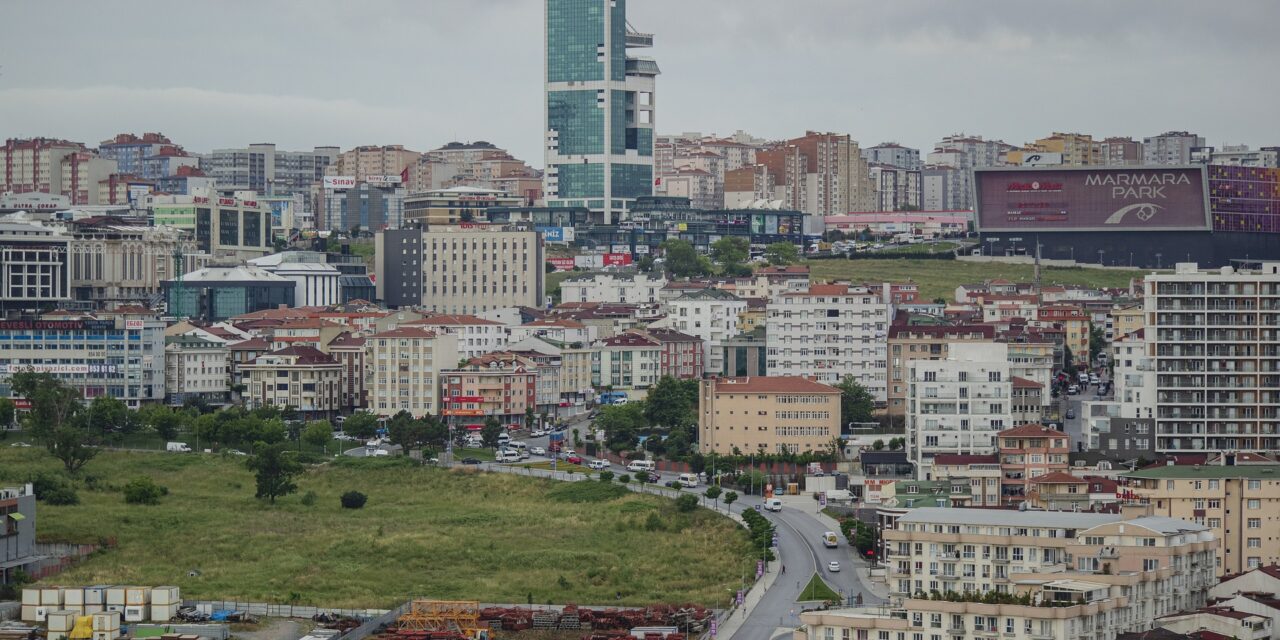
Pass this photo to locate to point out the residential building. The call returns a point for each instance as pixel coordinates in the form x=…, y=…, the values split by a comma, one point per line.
x=1125, y=318
x=373, y=161
x=822, y=174
x=1238, y=156
x=948, y=174
x=17, y=532
x=832, y=332
x=349, y=350
x=627, y=362
x=316, y=282
x=403, y=368
x=263, y=169
x=556, y=329
x=745, y=354
x=124, y=261
x=106, y=355
x=476, y=336
x=896, y=189
x=893, y=154
x=35, y=270
x=1028, y=575
x=599, y=109
x=612, y=287
x=461, y=268
x=981, y=472
x=84, y=175
x=502, y=385
x=1170, y=147
x=1237, y=496
x=366, y=205
x=478, y=165
x=1026, y=453
x=1075, y=149
x=301, y=377
x=699, y=186
x=1220, y=622
x=197, y=367
x=572, y=368
x=711, y=315
x=1029, y=400
x=911, y=338
x=1076, y=323
x=35, y=164
x=218, y=293
x=957, y=405
x=456, y=205
x=767, y=415
x=1217, y=380
x=150, y=156
x=1121, y=151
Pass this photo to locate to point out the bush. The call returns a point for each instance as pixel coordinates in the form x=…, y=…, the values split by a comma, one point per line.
x=353, y=500
x=309, y=499
x=624, y=478
x=143, y=490
x=686, y=503
x=606, y=476
x=53, y=488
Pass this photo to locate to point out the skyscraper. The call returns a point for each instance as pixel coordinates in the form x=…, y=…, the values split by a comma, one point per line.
x=599, y=108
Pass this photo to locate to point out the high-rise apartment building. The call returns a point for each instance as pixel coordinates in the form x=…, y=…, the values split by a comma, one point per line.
x=909, y=342
x=599, y=108
x=262, y=168
x=830, y=331
x=34, y=164
x=150, y=156
x=1171, y=147
x=824, y=173
x=403, y=369
x=1215, y=336
x=896, y=189
x=894, y=154
x=373, y=160
x=949, y=185
x=1121, y=151
x=467, y=268
x=958, y=405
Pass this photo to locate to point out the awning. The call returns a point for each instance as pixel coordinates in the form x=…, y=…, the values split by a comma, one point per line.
x=17, y=516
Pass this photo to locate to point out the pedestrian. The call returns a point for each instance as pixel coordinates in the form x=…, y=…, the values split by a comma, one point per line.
x=784, y=568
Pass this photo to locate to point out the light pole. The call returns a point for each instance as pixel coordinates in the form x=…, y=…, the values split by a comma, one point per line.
x=1158, y=260
x=1100, y=252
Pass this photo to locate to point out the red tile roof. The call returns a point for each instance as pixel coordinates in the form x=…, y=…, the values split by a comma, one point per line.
x=253, y=344
x=303, y=355
x=452, y=319
x=772, y=384
x=1058, y=477
x=406, y=332
x=1030, y=430
x=1023, y=383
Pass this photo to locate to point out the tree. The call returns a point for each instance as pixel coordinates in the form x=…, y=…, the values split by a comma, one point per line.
x=353, y=500
x=878, y=445
x=7, y=411
x=683, y=261
x=317, y=433
x=56, y=418
x=856, y=403
x=713, y=492
x=1097, y=342
x=361, y=425
x=528, y=418
x=161, y=419
x=670, y=405
x=730, y=498
x=274, y=468
x=782, y=253
x=732, y=254
x=622, y=425
x=490, y=431
x=940, y=300
x=686, y=503
x=143, y=490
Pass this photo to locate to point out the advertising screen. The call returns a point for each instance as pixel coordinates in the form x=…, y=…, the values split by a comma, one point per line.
x=1092, y=199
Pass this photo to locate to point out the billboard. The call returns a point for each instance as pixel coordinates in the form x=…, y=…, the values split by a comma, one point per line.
x=1091, y=199
x=561, y=264
x=556, y=234
x=617, y=259
x=339, y=182
x=384, y=180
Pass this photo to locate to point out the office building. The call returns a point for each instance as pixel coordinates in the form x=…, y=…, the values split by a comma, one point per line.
x=35, y=268
x=957, y=405
x=124, y=261
x=745, y=354
x=232, y=227
x=461, y=268
x=263, y=169
x=17, y=533
x=454, y=206
x=34, y=164
x=111, y=355
x=910, y=341
x=403, y=369
x=830, y=331
x=1237, y=496
x=365, y=206
x=301, y=377
x=1028, y=576
x=599, y=108
x=1217, y=357
x=1171, y=147
x=214, y=294
x=766, y=415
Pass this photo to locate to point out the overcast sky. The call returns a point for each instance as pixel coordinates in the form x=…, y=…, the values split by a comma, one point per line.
x=420, y=73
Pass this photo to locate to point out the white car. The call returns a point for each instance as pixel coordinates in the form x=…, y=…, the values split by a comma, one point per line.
x=538, y=451
x=598, y=464
x=833, y=566
x=537, y=433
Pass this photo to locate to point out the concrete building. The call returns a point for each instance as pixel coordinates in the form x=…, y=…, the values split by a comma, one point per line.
x=711, y=315
x=1237, y=496
x=300, y=377
x=476, y=336
x=830, y=331
x=368, y=206
x=1170, y=147
x=612, y=287
x=957, y=405
x=35, y=271
x=316, y=282
x=17, y=532
x=373, y=160
x=896, y=189
x=457, y=205
x=232, y=227
x=1217, y=381
x=895, y=155
x=349, y=350
x=403, y=369
x=1028, y=452
x=1074, y=321
x=121, y=261
x=88, y=352
x=1028, y=576
x=34, y=164
x=218, y=293
x=822, y=174
x=766, y=415
x=461, y=269
x=502, y=385
x=84, y=176
x=197, y=366
x=909, y=341
x=264, y=169
x=745, y=354
x=948, y=174
x=980, y=472
x=1121, y=151
x=150, y=156
x=699, y=186
x=599, y=109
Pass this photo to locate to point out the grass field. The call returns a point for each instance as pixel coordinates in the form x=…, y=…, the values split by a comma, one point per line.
x=939, y=278
x=424, y=532
x=817, y=589
x=922, y=247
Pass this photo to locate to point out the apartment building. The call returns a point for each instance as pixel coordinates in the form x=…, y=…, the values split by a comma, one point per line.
x=502, y=385
x=981, y=472
x=710, y=315
x=1025, y=575
x=766, y=414
x=461, y=268
x=614, y=287
x=831, y=331
x=373, y=160
x=34, y=164
x=821, y=173
x=1170, y=147
x=1028, y=400
x=197, y=366
x=957, y=405
x=403, y=368
x=1236, y=496
x=349, y=350
x=1026, y=453
x=635, y=360
x=1076, y=323
x=1215, y=336
x=457, y=205
x=909, y=341
x=300, y=377
x=476, y=336
x=264, y=169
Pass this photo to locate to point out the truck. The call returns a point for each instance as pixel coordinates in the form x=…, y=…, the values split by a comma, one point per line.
x=829, y=539
x=177, y=447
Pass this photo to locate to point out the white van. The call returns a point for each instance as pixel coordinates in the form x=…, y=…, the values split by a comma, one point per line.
x=517, y=445
x=773, y=504
x=504, y=438
x=641, y=465
x=177, y=447
x=688, y=480
x=507, y=455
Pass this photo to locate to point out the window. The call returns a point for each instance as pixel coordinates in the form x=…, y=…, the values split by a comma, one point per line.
x=1255, y=485
x=1255, y=523
x=1150, y=564
x=1255, y=543
x=1254, y=503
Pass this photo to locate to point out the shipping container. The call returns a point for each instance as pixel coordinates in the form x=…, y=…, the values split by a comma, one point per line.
x=163, y=612
x=51, y=597
x=109, y=621
x=115, y=595
x=96, y=594
x=106, y=635
x=139, y=613
x=165, y=596
x=90, y=609
x=73, y=597
x=78, y=610
x=60, y=620
x=137, y=596
x=31, y=597
x=117, y=608
x=33, y=613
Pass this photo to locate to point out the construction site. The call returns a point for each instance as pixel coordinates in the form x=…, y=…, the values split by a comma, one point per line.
x=467, y=620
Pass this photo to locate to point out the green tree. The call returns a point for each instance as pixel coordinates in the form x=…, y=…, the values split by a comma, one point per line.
x=528, y=418
x=318, y=433
x=490, y=431
x=622, y=425
x=686, y=503
x=683, y=261
x=7, y=412
x=713, y=492
x=108, y=416
x=878, y=445
x=361, y=424
x=143, y=490
x=56, y=418
x=669, y=404
x=856, y=403
x=274, y=469
x=1097, y=342
x=164, y=421
x=732, y=253
x=782, y=253
x=729, y=498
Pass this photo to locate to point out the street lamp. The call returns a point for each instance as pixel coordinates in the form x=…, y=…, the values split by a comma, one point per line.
x=1100, y=252
x=1158, y=260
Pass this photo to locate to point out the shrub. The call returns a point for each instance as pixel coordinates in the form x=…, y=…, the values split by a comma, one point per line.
x=353, y=500
x=606, y=476
x=624, y=478
x=309, y=499
x=53, y=488
x=686, y=503
x=143, y=490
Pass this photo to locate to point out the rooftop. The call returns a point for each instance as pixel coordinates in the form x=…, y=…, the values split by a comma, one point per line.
x=772, y=384
x=1009, y=517
x=1260, y=471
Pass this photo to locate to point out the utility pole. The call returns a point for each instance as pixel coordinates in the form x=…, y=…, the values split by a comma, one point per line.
x=1039, y=294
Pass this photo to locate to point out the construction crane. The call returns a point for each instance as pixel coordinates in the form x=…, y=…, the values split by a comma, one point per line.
x=177, y=291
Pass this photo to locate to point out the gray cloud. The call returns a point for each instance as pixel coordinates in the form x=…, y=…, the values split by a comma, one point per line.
x=421, y=73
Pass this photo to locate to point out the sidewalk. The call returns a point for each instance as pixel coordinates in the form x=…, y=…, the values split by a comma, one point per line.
x=735, y=616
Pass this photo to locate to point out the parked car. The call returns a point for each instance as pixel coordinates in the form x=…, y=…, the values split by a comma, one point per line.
x=236, y=452
x=833, y=566
x=573, y=458
x=654, y=477
x=598, y=464
x=1073, y=390
x=1071, y=414
x=538, y=451
x=471, y=461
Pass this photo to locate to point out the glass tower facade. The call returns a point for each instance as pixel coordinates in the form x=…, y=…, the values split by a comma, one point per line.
x=599, y=109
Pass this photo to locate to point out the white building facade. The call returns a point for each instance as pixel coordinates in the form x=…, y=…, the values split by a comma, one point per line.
x=710, y=315
x=831, y=331
x=958, y=405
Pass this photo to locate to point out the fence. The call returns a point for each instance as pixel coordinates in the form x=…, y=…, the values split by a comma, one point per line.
x=60, y=556
x=268, y=610
x=770, y=468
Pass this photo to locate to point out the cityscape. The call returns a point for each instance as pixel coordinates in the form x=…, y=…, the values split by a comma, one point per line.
x=972, y=367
